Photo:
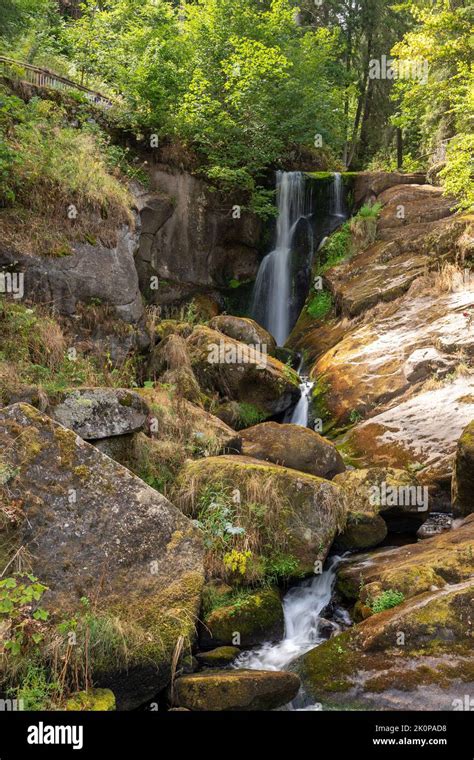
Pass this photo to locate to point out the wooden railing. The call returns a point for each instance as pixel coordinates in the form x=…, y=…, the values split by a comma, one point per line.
x=45, y=78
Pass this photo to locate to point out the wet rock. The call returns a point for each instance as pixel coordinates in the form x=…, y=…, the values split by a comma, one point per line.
x=292, y=446
x=248, y=622
x=375, y=496
x=416, y=655
x=412, y=569
x=218, y=657
x=436, y=523
x=92, y=529
x=236, y=690
x=463, y=475
x=420, y=433
x=95, y=413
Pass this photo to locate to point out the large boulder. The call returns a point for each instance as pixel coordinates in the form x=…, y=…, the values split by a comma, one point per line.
x=285, y=513
x=236, y=690
x=247, y=621
x=245, y=330
x=417, y=655
x=463, y=475
x=95, y=413
x=412, y=569
x=292, y=446
x=377, y=496
x=239, y=372
x=92, y=529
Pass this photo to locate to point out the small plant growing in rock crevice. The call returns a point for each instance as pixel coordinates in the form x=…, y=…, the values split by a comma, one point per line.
x=386, y=600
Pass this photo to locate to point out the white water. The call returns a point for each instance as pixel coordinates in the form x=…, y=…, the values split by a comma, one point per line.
x=299, y=416
x=302, y=607
x=336, y=197
x=272, y=291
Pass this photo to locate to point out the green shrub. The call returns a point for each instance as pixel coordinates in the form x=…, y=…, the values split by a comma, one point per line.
x=320, y=304
x=386, y=600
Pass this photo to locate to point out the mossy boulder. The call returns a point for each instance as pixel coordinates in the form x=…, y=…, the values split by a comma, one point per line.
x=95, y=413
x=218, y=657
x=292, y=446
x=412, y=569
x=281, y=511
x=239, y=372
x=236, y=690
x=418, y=652
x=375, y=496
x=93, y=700
x=92, y=529
x=247, y=621
x=245, y=330
x=463, y=474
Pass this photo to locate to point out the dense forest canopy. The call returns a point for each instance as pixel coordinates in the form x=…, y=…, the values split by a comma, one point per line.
x=243, y=82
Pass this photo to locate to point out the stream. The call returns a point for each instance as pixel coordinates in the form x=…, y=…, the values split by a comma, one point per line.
x=304, y=606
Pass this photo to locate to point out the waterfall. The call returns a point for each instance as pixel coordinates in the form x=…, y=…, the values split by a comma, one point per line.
x=299, y=415
x=336, y=198
x=272, y=293
x=303, y=606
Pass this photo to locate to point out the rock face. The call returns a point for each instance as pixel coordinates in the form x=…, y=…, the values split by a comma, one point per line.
x=95, y=413
x=292, y=446
x=415, y=656
x=236, y=690
x=305, y=512
x=412, y=569
x=92, y=272
x=218, y=657
x=375, y=497
x=244, y=329
x=191, y=239
x=391, y=357
x=370, y=184
x=238, y=372
x=92, y=529
x=256, y=619
x=463, y=475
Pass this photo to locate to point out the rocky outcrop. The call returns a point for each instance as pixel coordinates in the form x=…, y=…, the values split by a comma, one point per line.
x=412, y=569
x=95, y=413
x=463, y=475
x=415, y=656
x=247, y=622
x=245, y=330
x=292, y=446
x=236, y=690
x=377, y=497
x=193, y=238
x=241, y=373
x=300, y=514
x=90, y=529
x=367, y=185
x=91, y=273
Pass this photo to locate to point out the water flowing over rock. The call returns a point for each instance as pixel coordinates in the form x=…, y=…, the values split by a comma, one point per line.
x=91, y=529
x=274, y=286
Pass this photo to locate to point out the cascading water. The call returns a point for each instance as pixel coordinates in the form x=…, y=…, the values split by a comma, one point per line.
x=272, y=292
x=336, y=197
x=302, y=607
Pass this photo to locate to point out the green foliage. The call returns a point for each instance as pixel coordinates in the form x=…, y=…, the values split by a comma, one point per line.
x=320, y=304
x=280, y=568
x=386, y=600
x=21, y=613
x=336, y=248
x=368, y=211
x=36, y=690
x=249, y=415
x=441, y=107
